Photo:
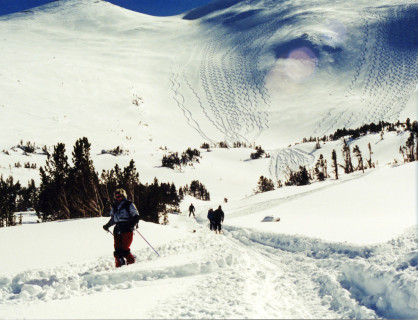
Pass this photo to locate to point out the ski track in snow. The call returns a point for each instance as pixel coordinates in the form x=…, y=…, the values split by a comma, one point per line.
x=251, y=274
x=286, y=159
x=386, y=72
x=235, y=98
x=247, y=274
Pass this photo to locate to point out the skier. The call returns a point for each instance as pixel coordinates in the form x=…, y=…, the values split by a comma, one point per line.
x=210, y=217
x=191, y=210
x=218, y=218
x=125, y=216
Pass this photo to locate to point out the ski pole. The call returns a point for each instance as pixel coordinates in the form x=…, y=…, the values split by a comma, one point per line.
x=147, y=242
x=110, y=232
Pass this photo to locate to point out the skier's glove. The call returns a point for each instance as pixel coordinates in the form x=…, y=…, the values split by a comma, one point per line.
x=106, y=227
x=135, y=221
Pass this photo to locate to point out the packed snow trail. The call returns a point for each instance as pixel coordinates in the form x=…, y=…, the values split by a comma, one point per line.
x=244, y=274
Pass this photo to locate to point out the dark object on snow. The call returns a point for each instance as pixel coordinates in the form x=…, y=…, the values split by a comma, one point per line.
x=211, y=222
x=191, y=210
x=125, y=217
x=270, y=219
x=218, y=218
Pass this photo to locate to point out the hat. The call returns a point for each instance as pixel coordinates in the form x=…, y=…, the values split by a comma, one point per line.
x=121, y=192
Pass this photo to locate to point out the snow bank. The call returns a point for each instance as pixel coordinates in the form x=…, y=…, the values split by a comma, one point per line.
x=370, y=283
x=315, y=248
x=367, y=208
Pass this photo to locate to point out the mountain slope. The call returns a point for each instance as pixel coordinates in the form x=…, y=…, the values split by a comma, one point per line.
x=319, y=67
x=358, y=260
x=151, y=7
x=258, y=71
x=265, y=72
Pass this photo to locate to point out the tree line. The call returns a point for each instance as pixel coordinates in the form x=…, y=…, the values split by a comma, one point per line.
x=369, y=128
x=77, y=191
x=173, y=160
x=319, y=172
x=196, y=190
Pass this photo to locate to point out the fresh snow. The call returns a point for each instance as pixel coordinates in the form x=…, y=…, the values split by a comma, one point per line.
x=254, y=71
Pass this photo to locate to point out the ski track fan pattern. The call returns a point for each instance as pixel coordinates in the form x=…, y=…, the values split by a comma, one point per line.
x=231, y=85
x=386, y=72
x=284, y=160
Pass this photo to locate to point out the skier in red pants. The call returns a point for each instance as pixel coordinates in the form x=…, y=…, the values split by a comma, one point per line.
x=124, y=216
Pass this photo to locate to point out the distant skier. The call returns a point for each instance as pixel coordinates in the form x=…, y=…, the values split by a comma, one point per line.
x=218, y=218
x=211, y=222
x=125, y=216
x=191, y=210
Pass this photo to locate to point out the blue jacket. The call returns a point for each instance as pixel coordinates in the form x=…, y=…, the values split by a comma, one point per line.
x=124, y=215
x=210, y=214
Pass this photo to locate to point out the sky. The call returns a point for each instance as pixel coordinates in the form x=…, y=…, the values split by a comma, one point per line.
x=13, y=6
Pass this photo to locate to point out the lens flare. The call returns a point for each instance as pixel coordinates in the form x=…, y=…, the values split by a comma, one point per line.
x=292, y=69
x=300, y=64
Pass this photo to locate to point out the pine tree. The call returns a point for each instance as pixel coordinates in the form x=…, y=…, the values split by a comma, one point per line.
x=410, y=147
x=109, y=181
x=334, y=163
x=150, y=205
x=52, y=201
x=258, y=153
x=408, y=124
x=264, y=185
x=8, y=195
x=321, y=168
x=130, y=179
x=370, y=164
x=299, y=178
x=174, y=198
x=357, y=152
x=84, y=192
x=27, y=196
x=348, y=167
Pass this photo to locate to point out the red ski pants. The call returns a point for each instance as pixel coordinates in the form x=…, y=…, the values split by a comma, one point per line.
x=123, y=243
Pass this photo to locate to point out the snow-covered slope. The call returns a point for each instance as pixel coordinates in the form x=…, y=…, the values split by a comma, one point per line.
x=263, y=71
x=332, y=255
x=317, y=67
x=256, y=71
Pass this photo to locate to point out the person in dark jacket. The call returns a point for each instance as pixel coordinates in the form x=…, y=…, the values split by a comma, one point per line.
x=191, y=210
x=124, y=216
x=210, y=217
x=218, y=218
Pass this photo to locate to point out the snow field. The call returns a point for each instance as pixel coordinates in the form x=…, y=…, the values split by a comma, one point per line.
x=351, y=280
x=241, y=274
x=256, y=71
